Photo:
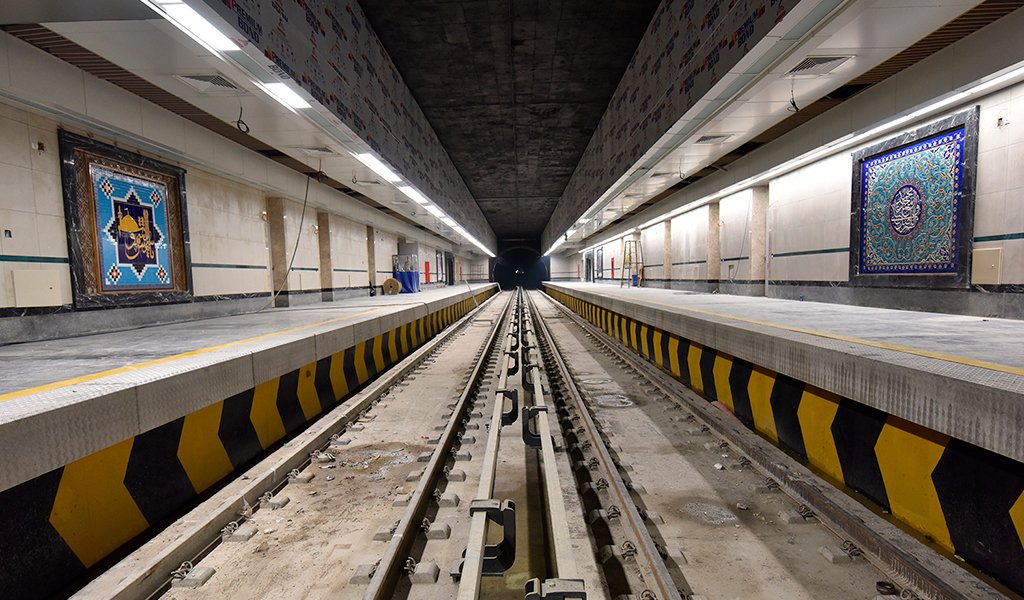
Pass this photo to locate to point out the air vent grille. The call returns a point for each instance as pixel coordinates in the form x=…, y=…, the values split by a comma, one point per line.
x=818, y=65
x=209, y=83
x=717, y=138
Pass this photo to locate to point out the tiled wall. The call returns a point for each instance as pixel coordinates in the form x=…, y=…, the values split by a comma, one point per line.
x=566, y=267
x=31, y=203
x=305, y=266
x=999, y=204
x=689, y=245
x=734, y=235
x=809, y=222
x=385, y=246
x=228, y=236
x=653, y=243
x=348, y=253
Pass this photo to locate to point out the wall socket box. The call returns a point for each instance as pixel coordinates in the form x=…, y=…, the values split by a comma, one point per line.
x=985, y=266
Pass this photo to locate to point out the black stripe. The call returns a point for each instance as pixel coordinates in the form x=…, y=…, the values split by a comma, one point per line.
x=665, y=359
x=855, y=430
x=288, y=402
x=349, y=366
x=236, y=430
x=739, y=379
x=37, y=561
x=976, y=489
x=683, y=355
x=651, y=354
x=368, y=353
x=324, y=389
x=155, y=478
x=707, y=372
x=785, y=401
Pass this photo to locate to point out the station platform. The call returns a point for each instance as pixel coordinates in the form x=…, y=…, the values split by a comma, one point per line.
x=106, y=435
x=919, y=413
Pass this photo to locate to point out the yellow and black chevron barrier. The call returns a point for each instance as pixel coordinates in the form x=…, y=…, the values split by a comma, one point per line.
x=82, y=516
x=967, y=500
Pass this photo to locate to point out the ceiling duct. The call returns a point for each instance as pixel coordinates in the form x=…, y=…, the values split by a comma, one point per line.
x=713, y=139
x=817, y=65
x=210, y=84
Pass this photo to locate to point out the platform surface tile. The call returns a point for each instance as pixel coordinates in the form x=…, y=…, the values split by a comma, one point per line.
x=997, y=341
x=34, y=364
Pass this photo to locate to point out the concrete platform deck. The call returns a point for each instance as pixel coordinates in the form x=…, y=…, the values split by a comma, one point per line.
x=64, y=399
x=959, y=375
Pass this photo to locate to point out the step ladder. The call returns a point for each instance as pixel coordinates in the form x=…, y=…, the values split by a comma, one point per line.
x=632, y=264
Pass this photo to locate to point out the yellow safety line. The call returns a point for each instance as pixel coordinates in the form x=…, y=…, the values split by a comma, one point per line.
x=845, y=338
x=158, y=361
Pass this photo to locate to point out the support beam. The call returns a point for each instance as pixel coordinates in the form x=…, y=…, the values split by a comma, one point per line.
x=714, y=243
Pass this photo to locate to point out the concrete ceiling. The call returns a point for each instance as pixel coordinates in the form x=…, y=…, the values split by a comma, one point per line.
x=513, y=88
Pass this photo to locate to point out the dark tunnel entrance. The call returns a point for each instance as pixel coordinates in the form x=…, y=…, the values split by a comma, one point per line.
x=520, y=264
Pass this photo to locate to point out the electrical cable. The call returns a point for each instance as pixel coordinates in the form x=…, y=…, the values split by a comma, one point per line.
x=295, y=248
x=239, y=123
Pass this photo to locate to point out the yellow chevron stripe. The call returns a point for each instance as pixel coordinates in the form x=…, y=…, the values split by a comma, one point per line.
x=338, y=382
x=92, y=510
x=360, y=359
x=266, y=419
x=309, y=400
x=907, y=454
x=722, y=370
x=693, y=362
x=200, y=450
x=759, y=389
x=816, y=412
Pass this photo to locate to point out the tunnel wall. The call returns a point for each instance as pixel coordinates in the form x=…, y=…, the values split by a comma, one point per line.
x=58, y=525
x=965, y=499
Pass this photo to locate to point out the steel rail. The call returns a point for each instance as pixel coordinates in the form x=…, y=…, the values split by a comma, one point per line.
x=889, y=548
x=653, y=569
x=472, y=566
x=392, y=564
x=561, y=549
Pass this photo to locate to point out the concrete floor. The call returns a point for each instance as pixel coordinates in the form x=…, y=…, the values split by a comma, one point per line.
x=34, y=364
x=999, y=341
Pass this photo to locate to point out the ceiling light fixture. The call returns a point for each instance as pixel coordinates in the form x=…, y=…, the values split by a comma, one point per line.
x=185, y=18
x=437, y=212
x=414, y=195
x=285, y=95
x=381, y=169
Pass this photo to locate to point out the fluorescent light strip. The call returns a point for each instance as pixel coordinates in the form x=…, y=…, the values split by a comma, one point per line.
x=414, y=195
x=185, y=18
x=381, y=169
x=285, y=95
x=842, y=144
x=437, y=212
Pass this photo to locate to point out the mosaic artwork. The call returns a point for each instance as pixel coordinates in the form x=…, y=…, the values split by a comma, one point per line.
x=126, y=230
x=910, y=207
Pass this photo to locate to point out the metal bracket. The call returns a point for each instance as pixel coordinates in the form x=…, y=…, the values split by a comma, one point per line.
x=512, y=370
x=509, y=417
x=514, y=346
x=501, y=556
x=555, y=589
x=529, y=437
x=529, y=383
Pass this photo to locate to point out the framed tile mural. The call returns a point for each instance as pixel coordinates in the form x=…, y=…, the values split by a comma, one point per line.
x=912, y=219
x=127, y=226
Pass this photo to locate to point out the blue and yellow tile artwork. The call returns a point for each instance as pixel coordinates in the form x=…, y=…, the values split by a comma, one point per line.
x=131, y=235
x=910, y=207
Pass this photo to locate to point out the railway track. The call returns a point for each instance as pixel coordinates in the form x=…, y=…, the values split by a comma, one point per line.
x=521, y=455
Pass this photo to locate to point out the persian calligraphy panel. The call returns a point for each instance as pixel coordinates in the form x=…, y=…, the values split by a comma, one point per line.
x=913, y=207
x=127, y=230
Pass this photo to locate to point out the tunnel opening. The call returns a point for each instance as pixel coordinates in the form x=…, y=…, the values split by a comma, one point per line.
x=520, y=264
